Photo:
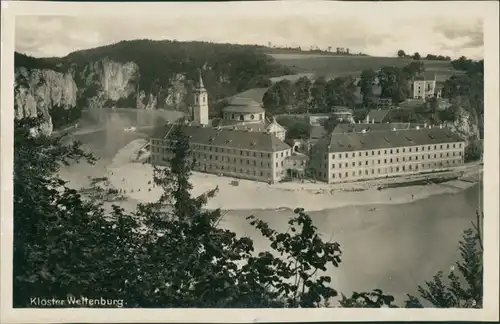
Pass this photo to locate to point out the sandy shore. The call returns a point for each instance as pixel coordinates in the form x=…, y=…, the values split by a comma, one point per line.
x=250, y=195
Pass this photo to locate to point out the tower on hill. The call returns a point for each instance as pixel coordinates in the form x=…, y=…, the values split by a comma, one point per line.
x=200, y=108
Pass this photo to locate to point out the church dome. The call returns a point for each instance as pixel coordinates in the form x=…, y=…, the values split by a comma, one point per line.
x=243, y=105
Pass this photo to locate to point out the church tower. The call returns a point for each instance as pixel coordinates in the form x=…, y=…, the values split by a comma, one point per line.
x=200, y=109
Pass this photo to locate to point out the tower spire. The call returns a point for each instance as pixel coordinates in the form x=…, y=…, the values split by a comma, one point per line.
x=200, y=108
x=200, y=81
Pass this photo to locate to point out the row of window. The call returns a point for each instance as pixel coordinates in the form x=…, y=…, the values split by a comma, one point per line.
x=242, y=116
x=403, y=159
x=404, y=168
x=212, y=167
x=228, y=151
x=397, y=150
x=235, y=160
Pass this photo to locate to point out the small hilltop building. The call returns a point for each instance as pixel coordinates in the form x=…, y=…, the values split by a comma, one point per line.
x=424, y=88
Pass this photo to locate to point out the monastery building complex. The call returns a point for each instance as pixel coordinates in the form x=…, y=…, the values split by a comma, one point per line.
x=245, y=144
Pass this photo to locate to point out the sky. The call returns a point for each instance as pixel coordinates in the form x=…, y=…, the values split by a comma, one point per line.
x=368, y=28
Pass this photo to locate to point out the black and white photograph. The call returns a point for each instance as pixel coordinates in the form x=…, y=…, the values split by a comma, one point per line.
x=251, y=157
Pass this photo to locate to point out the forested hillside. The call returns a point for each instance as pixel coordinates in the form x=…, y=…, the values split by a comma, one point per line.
x=143, y=73
x=237, y=67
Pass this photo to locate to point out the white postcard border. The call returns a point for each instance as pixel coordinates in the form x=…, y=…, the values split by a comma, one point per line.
x=489, y=10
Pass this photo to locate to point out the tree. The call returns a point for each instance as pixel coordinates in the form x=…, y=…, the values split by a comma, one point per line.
x=366, y=82
x=460, y=290
x=170, y=253
x=416, y=56
x=374, y=299
x=360, y=113
x=64, y=116
x=473, y=151
x=318, y=91
x=470, y=270
x=340, y=92
x=297, y=128
x=413, y=69
x=302, y=94
x=279, y=97
x=394, y=83
x=469, y=66
x=330, y=123
x=469, y=87
x=47, y=215
x=401, y=53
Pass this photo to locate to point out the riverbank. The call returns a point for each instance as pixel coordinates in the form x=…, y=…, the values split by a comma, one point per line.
x=133, y=178
x=136, y=180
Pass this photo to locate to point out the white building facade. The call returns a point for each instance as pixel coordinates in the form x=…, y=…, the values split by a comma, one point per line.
x=364, y=156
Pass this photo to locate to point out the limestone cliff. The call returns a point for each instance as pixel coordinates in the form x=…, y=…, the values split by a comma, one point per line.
x=98, y=84
x=465, y=124
x=36, y=91
x=172, y=95
x=106, y=82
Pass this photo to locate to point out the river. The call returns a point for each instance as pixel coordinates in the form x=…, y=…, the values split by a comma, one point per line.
x=394, y=248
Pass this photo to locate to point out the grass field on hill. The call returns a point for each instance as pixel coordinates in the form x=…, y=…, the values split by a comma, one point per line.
x=330, y=66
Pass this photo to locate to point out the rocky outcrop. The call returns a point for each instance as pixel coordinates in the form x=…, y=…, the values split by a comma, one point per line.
x=465, y=124
x=177, y=91
x=105, y=82
x=36, y=91
x=98, y=84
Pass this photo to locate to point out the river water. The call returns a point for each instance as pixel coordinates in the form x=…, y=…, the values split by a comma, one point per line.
x=394, y=248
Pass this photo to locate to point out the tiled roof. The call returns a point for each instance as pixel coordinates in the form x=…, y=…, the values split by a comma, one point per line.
x=318, y=115
x=255, y=94
x=356, y=128
x=243, y=105
x=317, y=132
x=411, y=103
x=378, y=115
x=422, y=78
x=257, y=126
x=221, y=122
x=341, y=109
x=336, y=110
x=348, y=142
x=226, y=137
